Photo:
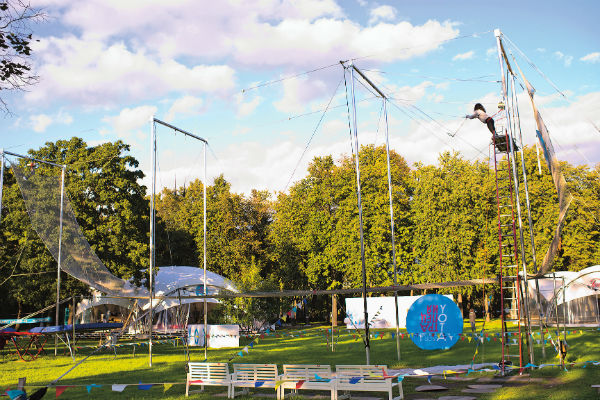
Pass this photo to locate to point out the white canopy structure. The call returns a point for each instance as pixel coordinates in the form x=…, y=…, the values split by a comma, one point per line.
x=574, y=296
x=169, y=281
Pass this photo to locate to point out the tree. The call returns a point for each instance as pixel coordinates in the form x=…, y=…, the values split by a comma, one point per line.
x=16, y=72
x=102, y=185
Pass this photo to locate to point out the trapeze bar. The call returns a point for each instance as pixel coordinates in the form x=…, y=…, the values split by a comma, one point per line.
x=34, y=159
x=179, y=130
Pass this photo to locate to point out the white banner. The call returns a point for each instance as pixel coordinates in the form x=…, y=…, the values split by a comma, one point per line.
x=381, y=311
x=218, y=335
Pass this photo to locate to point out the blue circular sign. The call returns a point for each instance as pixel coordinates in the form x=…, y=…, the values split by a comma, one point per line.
x=434, y=322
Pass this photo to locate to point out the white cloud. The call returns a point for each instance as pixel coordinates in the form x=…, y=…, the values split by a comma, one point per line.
x=92, y=73
x=298, y=92
x=382, y=13
x=540, y=50
x=591, y=58
x=464, y=56
x=39, y=123
x=492, y=51
x=565, y=58
x=245, y=108
x=130, y=121
x=188, y=105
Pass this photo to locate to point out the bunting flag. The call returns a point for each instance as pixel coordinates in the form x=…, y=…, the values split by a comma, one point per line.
x=144, y=387
x=299, y=384
x=14, y=394
x=61, y=389
x=258, y=384
x=167, y=386
x=118, y=387
x=355, y=380
x=91, y=386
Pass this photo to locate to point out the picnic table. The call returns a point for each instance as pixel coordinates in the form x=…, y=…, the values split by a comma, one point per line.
x=28, y=345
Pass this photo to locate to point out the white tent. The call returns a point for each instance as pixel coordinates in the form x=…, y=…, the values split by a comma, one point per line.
x=169, y=281
x=575, y=303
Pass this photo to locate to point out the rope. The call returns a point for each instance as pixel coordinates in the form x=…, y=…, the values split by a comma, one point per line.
x=313, y=135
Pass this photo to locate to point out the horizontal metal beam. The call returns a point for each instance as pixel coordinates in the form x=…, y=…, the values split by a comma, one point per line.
x=300, y=293
x=33, y=159
x=179, y=130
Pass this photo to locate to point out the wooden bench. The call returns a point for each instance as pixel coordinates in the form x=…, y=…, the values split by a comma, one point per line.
x=208, y=374
x=365, y=378
x=597, y=387
x=304, y=377
x=254, y=376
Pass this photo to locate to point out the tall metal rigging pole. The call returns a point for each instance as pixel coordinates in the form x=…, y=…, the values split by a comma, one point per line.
x=360, y=217
x=389, y=178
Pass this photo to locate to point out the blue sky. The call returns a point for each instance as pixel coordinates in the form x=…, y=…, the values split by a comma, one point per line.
x=105, y=66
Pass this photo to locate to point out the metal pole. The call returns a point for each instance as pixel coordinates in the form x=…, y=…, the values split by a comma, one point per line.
x=539, y=300
x=60, y=230
x=204, y=259
x=564, y=313
x=389, y=176
x=509, y=139
x=152, y=233
x=1, y=181
x=358, y=199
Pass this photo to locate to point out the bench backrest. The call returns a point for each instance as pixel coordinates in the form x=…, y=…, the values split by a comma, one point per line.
x=369, y=373
x=209, y=371
x=255, y=372
x=306, y=371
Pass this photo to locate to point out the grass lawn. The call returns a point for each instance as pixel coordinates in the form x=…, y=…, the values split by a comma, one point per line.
x=306, y=348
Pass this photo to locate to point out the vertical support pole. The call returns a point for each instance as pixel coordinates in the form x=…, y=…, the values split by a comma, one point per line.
x=389, y=176
x=509, y=139
x=539, y=300
x=358, y=199
x=73, y=322
x=562, y=362
x=204, y=259
x=152, y=233
x=1, y=181
x=59, y=261
x=564, y=315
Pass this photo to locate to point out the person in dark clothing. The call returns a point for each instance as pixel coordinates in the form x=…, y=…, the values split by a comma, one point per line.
x=479, y=113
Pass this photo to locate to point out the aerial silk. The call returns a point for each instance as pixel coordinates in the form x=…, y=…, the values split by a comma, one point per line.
x=564, y=197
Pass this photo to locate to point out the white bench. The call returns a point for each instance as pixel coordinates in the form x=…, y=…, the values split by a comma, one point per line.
x=304, y=377
x=254, y=376
x=208, y=374
x=365, y=378
x=597, y=387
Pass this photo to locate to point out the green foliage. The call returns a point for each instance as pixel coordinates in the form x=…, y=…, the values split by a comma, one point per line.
x=15, y=45
x=102, y=185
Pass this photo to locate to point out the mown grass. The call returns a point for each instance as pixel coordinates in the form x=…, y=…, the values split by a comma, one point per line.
x=310, y=348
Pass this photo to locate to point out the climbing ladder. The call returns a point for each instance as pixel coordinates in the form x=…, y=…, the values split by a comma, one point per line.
x=510, y=294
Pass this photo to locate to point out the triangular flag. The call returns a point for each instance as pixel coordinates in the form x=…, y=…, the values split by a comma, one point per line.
x=13, y=394
x=61, y=389
x=241, y=354
x=167, y=386
x=245, y=349
x=251, y=344
x=93, y=385
x=299, y=384
x=258, y=384
x=355, y=380
x=144, y=387
x=118, y=388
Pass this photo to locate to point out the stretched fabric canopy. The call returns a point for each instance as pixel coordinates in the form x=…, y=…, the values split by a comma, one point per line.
x=42, y=195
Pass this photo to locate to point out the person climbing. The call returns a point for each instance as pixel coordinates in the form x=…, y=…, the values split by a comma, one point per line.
x=479, y=113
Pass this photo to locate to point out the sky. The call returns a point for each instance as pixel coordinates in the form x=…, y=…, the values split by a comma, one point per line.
x=261, y=81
